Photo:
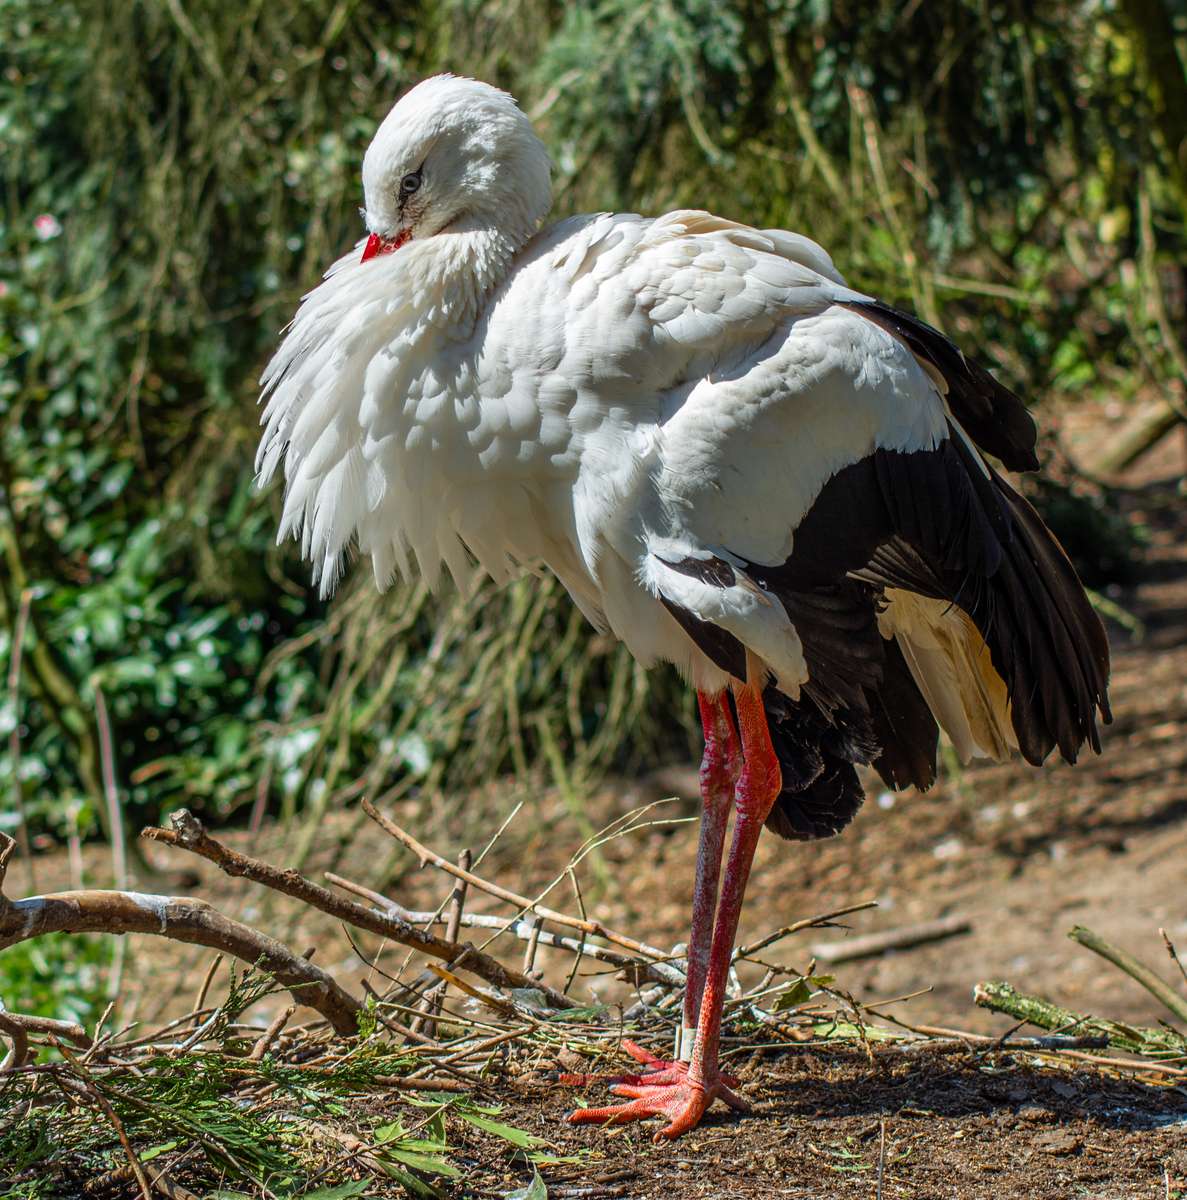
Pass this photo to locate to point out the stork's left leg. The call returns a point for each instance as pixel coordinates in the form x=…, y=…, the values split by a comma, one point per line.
x=683, y=1095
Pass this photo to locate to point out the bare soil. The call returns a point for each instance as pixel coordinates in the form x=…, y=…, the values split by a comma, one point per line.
x=1023, y=854
x=837, y=1125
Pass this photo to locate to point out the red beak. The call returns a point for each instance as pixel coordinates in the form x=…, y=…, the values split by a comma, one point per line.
x=376, y=244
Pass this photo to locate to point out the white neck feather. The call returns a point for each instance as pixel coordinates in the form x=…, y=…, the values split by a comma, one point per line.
x=457, y=269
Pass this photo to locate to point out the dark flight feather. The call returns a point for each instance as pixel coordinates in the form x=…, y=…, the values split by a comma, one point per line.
x=994, y=417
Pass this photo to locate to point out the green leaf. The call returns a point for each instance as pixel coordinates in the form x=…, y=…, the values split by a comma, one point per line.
x=800, y=991
x=517, y=1137
x=534, y=1190
x=355, y=1188
x=429, y=1164
x=151, y=1153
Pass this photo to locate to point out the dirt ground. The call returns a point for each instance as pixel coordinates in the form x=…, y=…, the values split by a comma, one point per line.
x=835, y=1125
x=1022, y=854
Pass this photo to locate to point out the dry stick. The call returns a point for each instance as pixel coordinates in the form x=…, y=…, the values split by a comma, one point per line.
x=1137, y=971
x=200, y=999
x=1149, y=1068
x=270, y=1034
x=1170, y=949
x=453, y=921
x=529, y=954
x=18, y=1026
x=185, y=920
x=807, y=923
x=581, y=907
x=111, y=795
x=188, y=834
x=486, y=1044
x=429, y=856
x=891, y=939
x=933, y=1044
x=658, y=972
x=104, y=1104
x=18, y=1054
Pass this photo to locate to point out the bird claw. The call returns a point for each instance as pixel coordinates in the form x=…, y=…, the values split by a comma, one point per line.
x=663, y=1090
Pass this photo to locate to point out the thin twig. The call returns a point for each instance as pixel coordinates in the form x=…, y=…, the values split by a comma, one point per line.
x=188, y=834
x=207, y=980
x=453, y=922
x=493, y=889
x=111, y=795
x=1137, y=971
x=891, y=939
x=795, y=927
x=529, y=954
x=265, y=1040
x=1170, y=949
x=638, y=969
x=105, y=1105
x=581, y=908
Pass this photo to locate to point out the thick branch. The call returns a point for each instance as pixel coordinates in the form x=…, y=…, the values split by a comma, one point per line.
x=188, y=834
x=1004, y=998
x=184, y=920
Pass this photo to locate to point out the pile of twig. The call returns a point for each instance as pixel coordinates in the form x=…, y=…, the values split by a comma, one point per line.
x=214, y=1094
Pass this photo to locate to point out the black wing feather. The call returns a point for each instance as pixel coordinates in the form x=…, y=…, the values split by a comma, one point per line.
x=994, y=417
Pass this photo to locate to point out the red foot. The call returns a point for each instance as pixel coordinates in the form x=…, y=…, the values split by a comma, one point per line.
x=663, y=1090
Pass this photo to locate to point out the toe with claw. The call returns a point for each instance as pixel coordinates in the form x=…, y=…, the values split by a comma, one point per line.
x=664, y=1089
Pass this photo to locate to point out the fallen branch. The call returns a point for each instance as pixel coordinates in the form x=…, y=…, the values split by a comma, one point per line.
x=189, y=834
x=183, y=920
x=1138, y=437
x=1004, y=998
x=890, y=939
x=948, y=1045
x=426, y=855
x=1137, y=971
x=179, y=918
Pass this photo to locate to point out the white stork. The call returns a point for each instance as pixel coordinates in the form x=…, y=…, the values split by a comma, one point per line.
x=732, y=460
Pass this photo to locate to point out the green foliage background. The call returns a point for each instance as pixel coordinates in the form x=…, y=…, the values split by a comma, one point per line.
x=1006, y=169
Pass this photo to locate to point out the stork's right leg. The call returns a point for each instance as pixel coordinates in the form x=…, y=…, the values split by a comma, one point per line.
x=721, y=765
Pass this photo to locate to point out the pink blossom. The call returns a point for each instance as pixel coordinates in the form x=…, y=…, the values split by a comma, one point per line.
x=46, y=226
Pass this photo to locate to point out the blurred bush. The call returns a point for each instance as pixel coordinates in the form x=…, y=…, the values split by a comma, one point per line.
x=175, y=175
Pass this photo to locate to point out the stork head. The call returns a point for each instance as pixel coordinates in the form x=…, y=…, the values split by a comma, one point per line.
x=453, y=153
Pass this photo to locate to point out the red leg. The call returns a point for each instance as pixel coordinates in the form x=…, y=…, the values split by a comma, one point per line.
x=684, y=1095
x=720, y=766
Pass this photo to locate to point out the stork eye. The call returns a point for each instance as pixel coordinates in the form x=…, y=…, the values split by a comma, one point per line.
x=410, y=184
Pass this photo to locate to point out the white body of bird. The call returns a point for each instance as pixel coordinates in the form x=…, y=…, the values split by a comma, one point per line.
x=614, y=398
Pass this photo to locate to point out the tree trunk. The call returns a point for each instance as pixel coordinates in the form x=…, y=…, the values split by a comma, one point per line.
x=1155, y=35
